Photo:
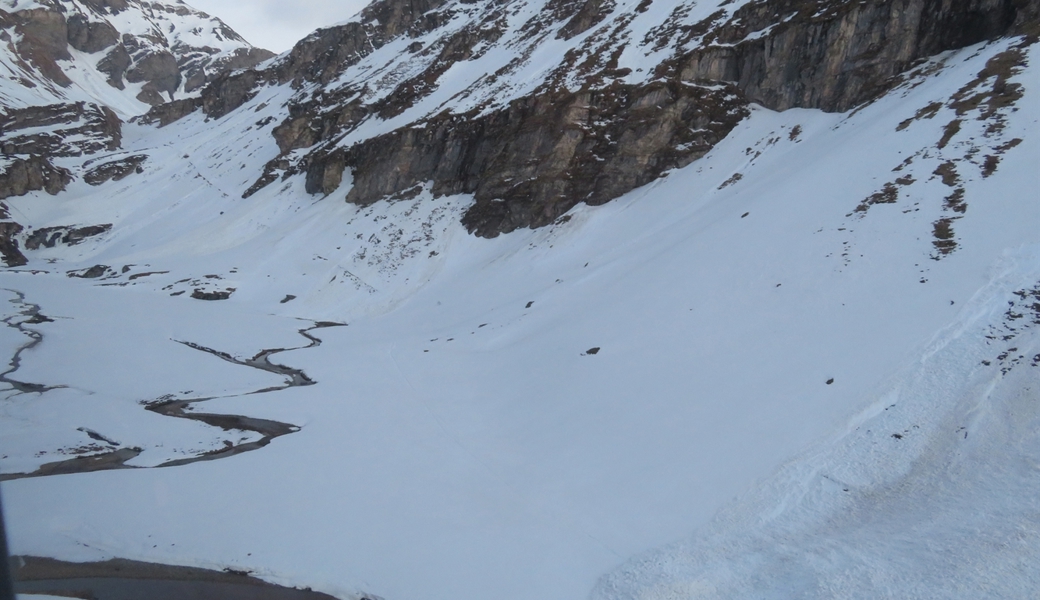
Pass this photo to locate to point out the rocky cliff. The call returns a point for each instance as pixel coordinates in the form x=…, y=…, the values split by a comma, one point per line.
x=835, y=55
x=530, y=162
x=576, y=127
x=31, y=138
x=531, y=106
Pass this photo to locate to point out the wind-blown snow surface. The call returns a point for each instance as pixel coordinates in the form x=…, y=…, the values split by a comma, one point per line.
x=462, y=443
x=932, y=492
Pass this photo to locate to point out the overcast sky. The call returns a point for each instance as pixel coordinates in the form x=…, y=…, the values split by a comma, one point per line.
x=278, y=24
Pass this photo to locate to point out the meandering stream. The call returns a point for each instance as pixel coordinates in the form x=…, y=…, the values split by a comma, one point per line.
x=181, y=408
x=33, y=317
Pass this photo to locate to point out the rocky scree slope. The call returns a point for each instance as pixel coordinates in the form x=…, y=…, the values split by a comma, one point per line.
x=534, y=106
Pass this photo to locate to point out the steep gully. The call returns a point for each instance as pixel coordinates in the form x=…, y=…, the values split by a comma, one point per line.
x=167, y=406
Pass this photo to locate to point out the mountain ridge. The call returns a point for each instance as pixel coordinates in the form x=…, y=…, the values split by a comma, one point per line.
x=862, y=48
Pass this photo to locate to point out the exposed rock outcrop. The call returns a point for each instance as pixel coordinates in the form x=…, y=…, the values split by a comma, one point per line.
x=170, y=112
x=323, y=55
x=211, y=295
x=593, y=125
x=91, y=273
x=20, y=176
x=91, y=37
x=229, y=92
x=588, y=14
x=200, y=66
x=115, y=170
x=158, y=70
x=49, y=237
x=59, y=130
x=531, y=162
x=835, y=55
x=31, y=137
x=12, y=254
x=42, y=40
x=115, y=64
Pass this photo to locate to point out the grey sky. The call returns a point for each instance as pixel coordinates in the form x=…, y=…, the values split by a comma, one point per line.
x=278, y=24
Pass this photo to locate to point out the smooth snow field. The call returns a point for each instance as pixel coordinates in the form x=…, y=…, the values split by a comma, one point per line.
x=790, y=398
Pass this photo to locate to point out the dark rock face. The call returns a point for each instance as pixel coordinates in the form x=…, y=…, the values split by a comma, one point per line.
x=24, y=175
x=30, y=137
x=533, y=161
x=89, y=37
x=106, y=6
x=170, y=112
x=305, y=131
x=325, y=175
x=582, y=136
x=320, y=58
x=457, y=48
x=229, y=92
x=115, y=64
x=68, y=130
x=115, y=170
x=12, y=255
x=49, y=237
x=91, y=273
x=588, y=14
x=530, y=162
x=216, y=295
x=200, y=68
x=323, y=55
x=162, y=74
x=834, y=55
x=42, y=41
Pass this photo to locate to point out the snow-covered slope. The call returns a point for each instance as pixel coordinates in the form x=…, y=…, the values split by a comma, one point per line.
x=802, y=365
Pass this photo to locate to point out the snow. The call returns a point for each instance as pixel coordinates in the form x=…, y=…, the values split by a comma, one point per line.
x=91, y=85
x=462, y=441
x=931, y=492
x=514, y=66
x=17, y=5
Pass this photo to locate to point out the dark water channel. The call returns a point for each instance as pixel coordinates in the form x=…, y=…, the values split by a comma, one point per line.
x=131, y=580
x=114, y=588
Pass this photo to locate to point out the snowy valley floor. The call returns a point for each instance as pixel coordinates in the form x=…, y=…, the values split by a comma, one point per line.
x=857, y=399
